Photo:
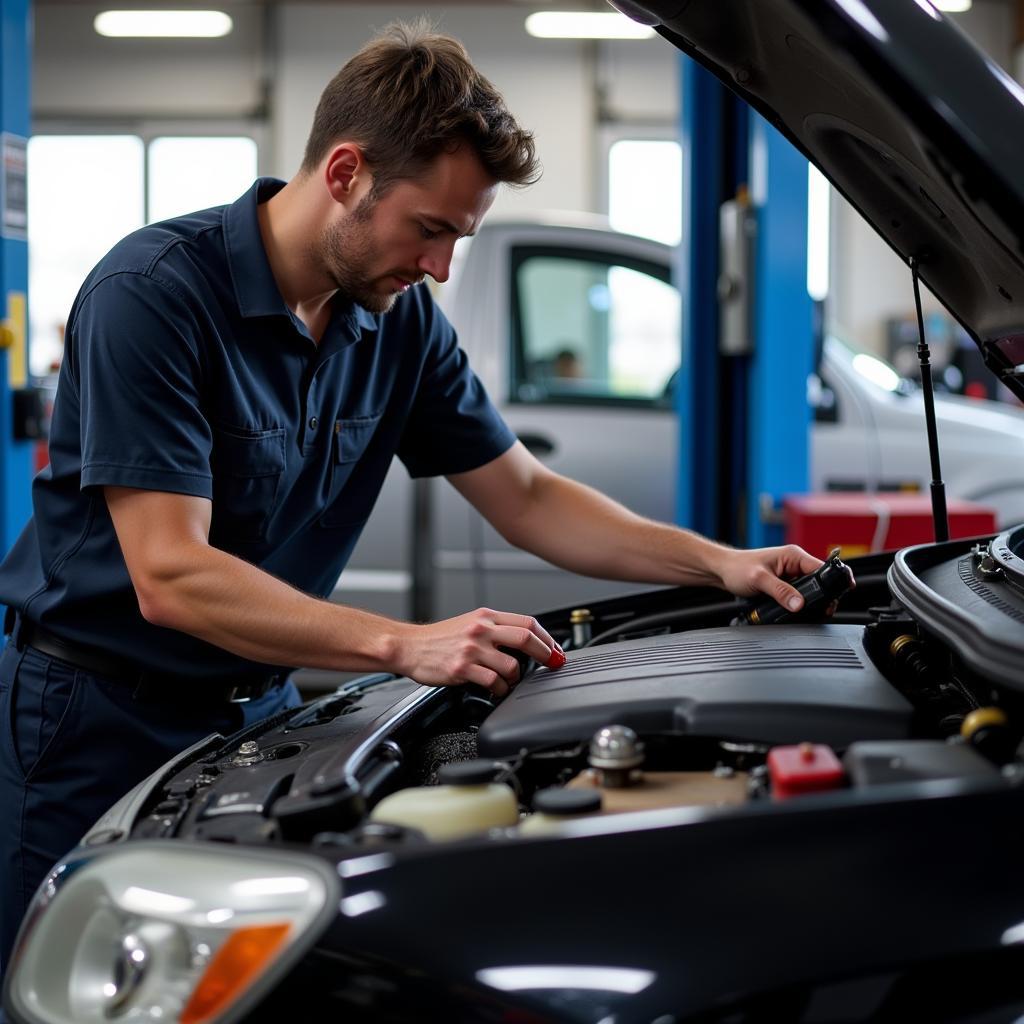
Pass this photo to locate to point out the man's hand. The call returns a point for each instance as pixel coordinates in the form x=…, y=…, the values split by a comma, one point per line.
x=764, y=571
x=465, y=649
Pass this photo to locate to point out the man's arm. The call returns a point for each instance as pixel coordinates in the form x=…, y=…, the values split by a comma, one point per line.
x=183, y=583
x=578, y=528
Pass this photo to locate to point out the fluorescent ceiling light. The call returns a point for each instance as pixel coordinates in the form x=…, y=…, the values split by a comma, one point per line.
x=585, y=25
x=953, y=6
x=151, y=24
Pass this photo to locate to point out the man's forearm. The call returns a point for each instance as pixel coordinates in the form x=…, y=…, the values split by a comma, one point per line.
x=232, y=604
x=183, y=583
x=580, y=529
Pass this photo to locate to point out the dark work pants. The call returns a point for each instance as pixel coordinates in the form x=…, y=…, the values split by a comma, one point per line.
x=71, y=744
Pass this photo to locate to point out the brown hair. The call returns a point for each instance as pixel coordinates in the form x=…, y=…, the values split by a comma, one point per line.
x=411, y=94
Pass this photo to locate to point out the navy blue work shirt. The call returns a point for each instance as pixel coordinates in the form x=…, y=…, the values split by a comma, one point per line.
x=185, y=371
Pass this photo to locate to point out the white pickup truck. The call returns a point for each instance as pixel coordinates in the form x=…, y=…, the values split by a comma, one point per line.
x=574, y=329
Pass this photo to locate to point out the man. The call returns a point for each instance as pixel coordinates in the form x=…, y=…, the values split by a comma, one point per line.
x=235, y=385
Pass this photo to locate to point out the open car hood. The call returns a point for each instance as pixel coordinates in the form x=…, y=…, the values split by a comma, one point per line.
x=913, y=124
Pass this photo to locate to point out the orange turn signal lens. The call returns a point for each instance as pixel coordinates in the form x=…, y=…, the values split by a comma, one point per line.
x=242, y=957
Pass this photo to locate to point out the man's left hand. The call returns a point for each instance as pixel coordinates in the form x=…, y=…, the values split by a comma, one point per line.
x=765, y=570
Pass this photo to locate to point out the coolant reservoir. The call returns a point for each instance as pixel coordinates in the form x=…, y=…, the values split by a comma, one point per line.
x=552, y=808
x=467, y=801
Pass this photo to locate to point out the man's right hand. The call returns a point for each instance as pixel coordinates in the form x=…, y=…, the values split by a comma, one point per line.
x=465, y=649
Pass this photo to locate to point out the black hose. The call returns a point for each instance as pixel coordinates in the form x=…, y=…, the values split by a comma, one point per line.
x=666, y=619
x=679, y=615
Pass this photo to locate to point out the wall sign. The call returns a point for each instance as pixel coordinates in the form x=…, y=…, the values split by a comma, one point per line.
x=13, y=186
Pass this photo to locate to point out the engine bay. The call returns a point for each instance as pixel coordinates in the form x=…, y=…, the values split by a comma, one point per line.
x=667, y=700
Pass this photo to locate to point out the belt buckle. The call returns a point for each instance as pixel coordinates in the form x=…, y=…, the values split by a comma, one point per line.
x=241, y=694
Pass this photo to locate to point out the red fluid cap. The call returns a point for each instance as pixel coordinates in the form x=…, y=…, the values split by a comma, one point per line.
x=805, y=768
x=557, y=659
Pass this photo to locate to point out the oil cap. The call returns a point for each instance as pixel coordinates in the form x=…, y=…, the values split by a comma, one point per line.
x=478, y=772
x=615, y=746
x=616, y=751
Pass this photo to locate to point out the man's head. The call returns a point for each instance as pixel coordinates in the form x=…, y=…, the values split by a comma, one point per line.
x=411, y=142
x=373, y=249
x=410, y=95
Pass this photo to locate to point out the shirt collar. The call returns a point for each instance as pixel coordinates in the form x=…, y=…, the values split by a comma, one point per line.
x=366, y=320
x=255, y=288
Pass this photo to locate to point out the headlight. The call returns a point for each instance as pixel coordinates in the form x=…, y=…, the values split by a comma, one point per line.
x=165, y=931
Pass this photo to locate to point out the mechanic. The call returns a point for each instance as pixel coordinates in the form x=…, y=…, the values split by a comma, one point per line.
x=235, y=385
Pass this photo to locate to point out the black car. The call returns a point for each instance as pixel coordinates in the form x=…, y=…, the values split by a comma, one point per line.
x=699, y=817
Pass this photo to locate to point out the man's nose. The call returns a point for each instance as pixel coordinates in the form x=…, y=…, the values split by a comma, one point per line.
x=436, y=262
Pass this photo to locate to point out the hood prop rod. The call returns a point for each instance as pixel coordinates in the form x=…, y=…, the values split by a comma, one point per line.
x=939, y=518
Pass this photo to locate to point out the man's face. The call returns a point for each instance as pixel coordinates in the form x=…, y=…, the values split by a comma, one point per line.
x=384, y=246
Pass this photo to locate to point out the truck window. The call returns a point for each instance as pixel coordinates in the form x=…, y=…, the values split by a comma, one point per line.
x=592, y=329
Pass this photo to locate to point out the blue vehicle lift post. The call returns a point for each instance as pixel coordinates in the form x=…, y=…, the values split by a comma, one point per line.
x=15, y=455
x=743, y=418
x=779, y=428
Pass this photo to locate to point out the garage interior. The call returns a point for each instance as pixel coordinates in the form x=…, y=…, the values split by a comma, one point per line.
x=258, y=83
x=684, y=314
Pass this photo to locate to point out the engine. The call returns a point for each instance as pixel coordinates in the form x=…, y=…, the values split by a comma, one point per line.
x=672, y=706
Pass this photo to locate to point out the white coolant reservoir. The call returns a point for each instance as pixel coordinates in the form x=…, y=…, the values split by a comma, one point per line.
x=552, y=808
x=468, y=800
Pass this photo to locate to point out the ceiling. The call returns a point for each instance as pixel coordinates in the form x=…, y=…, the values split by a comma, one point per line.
x=226, y=4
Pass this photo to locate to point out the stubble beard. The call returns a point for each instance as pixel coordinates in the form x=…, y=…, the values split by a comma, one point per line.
x=346, y=250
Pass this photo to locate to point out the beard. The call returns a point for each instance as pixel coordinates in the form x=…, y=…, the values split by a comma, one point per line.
x=348, y=249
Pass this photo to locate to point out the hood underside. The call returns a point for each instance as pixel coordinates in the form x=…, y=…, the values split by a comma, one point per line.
x=912, y=123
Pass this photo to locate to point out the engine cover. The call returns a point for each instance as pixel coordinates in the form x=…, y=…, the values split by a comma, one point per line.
x=769, y=684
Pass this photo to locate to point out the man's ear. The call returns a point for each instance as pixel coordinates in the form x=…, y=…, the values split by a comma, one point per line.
x=346, y=173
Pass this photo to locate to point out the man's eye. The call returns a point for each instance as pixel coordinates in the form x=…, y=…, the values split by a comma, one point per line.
x=427, y=233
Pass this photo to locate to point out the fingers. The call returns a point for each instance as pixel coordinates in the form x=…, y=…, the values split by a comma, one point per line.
x=525, y=622
x=478, y=648
x=525, y=640
x=487, y=678
x=776, y=566
x=526, y=634
x=520, y=632
x=798, y=562
x=786, y=595
x=769, y=571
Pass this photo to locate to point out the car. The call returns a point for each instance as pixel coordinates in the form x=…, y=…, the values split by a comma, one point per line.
x=517, y=298
x=704, y=815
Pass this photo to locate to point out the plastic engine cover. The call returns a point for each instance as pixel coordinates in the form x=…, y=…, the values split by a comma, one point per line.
x=765, y=684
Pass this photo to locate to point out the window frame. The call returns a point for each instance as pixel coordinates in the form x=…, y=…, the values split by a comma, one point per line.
x=520, y=254
x=150, y=129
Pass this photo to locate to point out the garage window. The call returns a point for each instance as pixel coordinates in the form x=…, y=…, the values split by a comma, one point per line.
x=70, y=228
x=655, y=210
x=120, y=183
x=193, y=173
x=592, y=330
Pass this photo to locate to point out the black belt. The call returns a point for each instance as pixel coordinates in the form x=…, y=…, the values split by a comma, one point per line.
x=146, y=686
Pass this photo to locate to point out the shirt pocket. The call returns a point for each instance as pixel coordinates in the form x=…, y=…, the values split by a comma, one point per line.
x=247, y=466
x=352, y=493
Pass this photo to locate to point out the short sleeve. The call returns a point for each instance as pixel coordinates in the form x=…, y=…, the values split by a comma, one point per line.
x=135, y=359
x=452, y=426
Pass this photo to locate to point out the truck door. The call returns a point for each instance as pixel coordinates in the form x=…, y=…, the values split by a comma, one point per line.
x=592, y=346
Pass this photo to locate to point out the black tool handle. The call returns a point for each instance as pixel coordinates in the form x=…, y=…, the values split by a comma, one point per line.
x=819, y=589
